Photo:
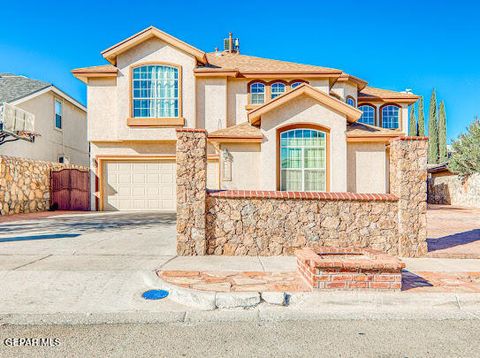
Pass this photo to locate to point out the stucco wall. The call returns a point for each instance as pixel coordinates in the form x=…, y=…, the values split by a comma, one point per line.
x=211, y=103
x=367, y=168
x=112, y=106
x=344, y=89
x=453, y=190
x=304, y=110
x=245, y=161
x=70, y=141
x=237, y=97
x=102, y=109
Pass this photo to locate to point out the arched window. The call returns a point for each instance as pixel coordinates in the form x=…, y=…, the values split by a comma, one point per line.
x=368, y=116
x=351, y=101
x=296, y=84
x=257, y=93
x=390, y=114
x=303, y=160
x=155, y=91
x=278, y=88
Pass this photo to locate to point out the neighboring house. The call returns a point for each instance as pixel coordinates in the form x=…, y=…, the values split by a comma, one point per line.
x=272, y=125
x=60, y=121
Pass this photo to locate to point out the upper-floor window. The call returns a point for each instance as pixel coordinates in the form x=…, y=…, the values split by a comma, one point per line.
x=155, y=91
x=58, y=114
x=295, y=84
x=390, y=114
x=368, y=115
x=351, y=101
x=277, y=89
x=257, y=93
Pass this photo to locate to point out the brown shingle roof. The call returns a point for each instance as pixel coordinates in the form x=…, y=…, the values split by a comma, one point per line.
x=96, y=69
x=365, y=130
x=240, y=131
x=253, y=64
x=383, y=94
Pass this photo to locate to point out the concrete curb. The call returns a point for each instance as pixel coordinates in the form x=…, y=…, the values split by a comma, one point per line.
x=212, y=300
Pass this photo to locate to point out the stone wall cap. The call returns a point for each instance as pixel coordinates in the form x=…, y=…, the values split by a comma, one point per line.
x=407, y=138
x=191, y=130
x=331, y=196
x=369, y=259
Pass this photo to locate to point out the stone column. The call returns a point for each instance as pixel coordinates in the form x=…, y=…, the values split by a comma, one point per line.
x=191, y=191
x=408, y=181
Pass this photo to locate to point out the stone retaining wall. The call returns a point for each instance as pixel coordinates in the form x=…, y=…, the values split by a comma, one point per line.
x=277, y=223
x=25, y=184
x=450, y=189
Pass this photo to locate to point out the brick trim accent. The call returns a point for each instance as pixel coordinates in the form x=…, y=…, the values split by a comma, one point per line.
x=331, y=196
x=374, y=259
x=191, y=130
x=408, y=138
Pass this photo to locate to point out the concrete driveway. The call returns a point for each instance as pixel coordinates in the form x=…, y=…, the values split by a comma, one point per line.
x=83, y=263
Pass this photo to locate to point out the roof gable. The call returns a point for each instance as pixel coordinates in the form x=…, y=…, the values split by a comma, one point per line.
x=352, y=114
x=14, y=87
x=112, y=52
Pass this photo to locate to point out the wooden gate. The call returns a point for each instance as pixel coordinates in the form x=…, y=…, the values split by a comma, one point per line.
x=70, y=189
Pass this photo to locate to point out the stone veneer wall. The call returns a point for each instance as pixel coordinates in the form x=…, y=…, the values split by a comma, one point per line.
x=276, y=223
x=191, y=191
x=408, y=181
x=25, y=184
x=451, y=189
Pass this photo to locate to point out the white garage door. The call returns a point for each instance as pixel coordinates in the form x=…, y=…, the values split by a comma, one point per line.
x=140, y=186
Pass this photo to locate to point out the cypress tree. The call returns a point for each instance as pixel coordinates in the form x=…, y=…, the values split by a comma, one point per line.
x=433, y=130
x=442, y=134
x=421, y=118
x=412, y=123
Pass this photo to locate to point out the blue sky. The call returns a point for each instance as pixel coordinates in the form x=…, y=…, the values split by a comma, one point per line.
x=394, y=45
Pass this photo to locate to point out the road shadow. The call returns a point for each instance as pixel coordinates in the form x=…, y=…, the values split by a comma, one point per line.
x=91, y=223
x=38, y=237
x=457, y=239
x=411, y=280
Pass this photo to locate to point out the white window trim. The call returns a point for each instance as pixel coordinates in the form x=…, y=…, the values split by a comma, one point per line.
x=56, y=99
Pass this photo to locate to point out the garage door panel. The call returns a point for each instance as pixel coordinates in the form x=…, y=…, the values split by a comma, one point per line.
x=140, y=185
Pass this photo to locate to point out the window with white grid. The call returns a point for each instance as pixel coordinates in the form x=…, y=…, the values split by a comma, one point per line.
x=368, y=115
x=155, y=91
x=390, y=116
x=303, y=160
x=277, y=89
x=257, y=93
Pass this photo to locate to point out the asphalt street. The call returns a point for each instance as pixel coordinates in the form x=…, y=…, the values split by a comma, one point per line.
x=324, y=338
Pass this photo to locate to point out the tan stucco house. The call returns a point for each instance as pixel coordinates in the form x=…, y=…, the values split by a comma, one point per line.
x=60, y=121
x=272, y=125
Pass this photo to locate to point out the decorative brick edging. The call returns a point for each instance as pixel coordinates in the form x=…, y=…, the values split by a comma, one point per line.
x=408, y=138
x=349, y=269
x=191, y=130
x=331, y=196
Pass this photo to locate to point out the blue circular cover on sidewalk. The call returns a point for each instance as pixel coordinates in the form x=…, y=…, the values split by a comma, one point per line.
x=155, y=294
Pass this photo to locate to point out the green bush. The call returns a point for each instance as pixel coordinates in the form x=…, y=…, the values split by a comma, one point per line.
x=465, y=159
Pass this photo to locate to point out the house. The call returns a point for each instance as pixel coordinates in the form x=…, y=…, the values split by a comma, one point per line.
x=272, y=125
x=59, y=120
